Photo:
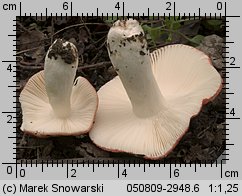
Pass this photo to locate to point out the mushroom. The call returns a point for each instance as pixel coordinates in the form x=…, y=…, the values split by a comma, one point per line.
x=51, y=104
x=147, y=108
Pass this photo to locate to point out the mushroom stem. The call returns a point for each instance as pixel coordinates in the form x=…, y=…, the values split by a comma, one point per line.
x=129, y=55
x=60, y=68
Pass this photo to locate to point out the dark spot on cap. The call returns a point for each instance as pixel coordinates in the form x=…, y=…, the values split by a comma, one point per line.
x=141, y=53
x=141, y=37
x=116, y=69
x=123, y=43
x=132, y=38
x=138, y=37
x=65, y=52
x=120, y=45
x=113, y=41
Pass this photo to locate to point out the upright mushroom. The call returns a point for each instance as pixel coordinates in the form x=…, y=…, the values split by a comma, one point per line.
x=147, y=108
x=51, y=104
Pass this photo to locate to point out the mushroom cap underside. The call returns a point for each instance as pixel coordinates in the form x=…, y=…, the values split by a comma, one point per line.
x=186, y=79
x=39, y=118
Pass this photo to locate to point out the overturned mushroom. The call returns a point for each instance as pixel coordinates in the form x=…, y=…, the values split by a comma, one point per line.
x=51, y=104
x=147, y=108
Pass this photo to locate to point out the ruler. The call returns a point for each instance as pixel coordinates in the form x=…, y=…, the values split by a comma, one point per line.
x=222, y=176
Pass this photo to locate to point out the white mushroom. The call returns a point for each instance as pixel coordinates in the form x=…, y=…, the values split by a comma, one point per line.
x=51, y=104
x=147, y=108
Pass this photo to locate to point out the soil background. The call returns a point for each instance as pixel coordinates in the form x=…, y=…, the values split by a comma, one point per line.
x=204, y=141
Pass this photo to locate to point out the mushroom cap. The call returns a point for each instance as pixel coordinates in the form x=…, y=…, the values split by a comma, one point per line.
x=38, y=116
x=186, y=79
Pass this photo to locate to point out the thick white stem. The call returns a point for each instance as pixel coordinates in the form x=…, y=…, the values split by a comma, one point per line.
x=129, y=55
x=60, y=69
